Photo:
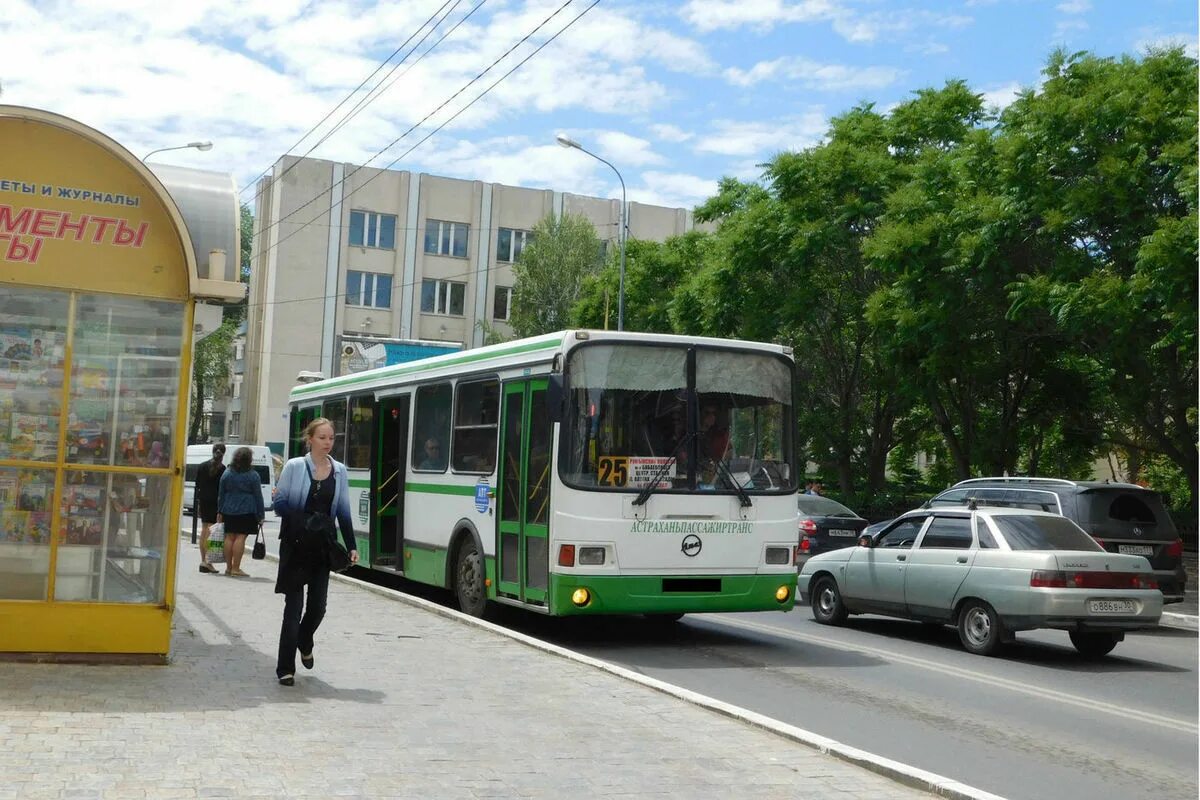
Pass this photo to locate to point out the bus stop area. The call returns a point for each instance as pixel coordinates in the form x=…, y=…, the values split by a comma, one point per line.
x=406, y=700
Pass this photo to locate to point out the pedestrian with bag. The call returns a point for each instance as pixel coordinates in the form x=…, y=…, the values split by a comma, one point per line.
x=239, y=507
x=312, y=494
x=208, y=479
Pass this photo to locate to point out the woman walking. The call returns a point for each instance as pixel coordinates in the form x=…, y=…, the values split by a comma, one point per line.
x=239, y=507
x=208, y=481
x=312, y=493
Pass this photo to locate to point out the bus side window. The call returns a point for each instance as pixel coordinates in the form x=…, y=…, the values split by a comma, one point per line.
x=335, y=412
x=359, y=429
x=431, y=426
x=475, y=428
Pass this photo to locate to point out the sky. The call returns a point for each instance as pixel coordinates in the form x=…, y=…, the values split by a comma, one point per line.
x=674, y=94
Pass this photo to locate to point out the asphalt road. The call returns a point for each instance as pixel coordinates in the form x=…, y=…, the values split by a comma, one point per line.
x=1037, y=721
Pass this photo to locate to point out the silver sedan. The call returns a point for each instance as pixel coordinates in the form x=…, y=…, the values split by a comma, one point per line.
x=990, y=572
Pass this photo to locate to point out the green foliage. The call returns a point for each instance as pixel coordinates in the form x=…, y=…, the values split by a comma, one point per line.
x=210, y=371
x=550, y=273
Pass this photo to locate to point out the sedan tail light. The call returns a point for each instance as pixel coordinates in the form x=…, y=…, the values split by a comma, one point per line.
x=805, y=544
x=1057, y=579
x=808, y=526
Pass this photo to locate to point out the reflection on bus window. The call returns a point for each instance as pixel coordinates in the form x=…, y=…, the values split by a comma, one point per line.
x=335, y=412
x=475, y=424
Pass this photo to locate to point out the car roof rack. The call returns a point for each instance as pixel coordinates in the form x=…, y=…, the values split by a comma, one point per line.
x=1025, y=480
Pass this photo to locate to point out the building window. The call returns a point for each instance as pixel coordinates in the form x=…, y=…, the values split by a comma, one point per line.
x=509, y=244
x=443, y=297
x=368, y=289
x=446, y=238
x=368, y=229
x=502, y=305
x=237, y=386
x=239, y=350
x=235, y=424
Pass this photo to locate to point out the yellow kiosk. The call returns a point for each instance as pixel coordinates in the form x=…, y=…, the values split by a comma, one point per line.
x=98, y=287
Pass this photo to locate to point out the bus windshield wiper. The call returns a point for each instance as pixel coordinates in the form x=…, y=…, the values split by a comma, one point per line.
x=649, y=488
x=737, y=487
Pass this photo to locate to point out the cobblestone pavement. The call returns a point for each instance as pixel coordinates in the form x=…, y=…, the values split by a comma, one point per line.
x=403, y=703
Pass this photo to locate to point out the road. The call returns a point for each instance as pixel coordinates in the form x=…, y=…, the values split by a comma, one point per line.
x=1034, y=722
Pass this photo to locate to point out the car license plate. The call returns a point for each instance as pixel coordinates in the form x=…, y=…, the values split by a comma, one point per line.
x=1136, y=549
x=841, y=532
x=1111, y=607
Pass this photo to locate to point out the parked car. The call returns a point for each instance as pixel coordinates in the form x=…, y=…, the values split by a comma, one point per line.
x=991, y=572
x=825, y=525
x=1121, y=517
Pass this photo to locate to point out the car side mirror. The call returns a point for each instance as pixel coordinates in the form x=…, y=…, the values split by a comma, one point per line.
x=866, y=541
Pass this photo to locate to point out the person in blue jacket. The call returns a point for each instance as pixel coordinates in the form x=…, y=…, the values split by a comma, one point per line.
x=309, y=486
x=239, y=507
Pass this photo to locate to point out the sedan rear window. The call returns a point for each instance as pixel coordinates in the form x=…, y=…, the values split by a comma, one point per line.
x=1043, y=533
x=820, y=506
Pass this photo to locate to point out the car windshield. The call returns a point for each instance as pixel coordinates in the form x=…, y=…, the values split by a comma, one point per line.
x=822, y=506
x=1043, y=533
x=639, y=415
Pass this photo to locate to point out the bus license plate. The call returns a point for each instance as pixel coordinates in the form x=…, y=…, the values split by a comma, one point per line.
x=1136, y=549
x=1111, y=606
x=841, y=532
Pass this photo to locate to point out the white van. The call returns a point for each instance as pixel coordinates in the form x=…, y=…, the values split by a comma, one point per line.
x=197, y=454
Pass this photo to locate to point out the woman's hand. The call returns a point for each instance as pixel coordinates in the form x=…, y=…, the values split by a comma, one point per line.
x=353, y=556
x=220, y=517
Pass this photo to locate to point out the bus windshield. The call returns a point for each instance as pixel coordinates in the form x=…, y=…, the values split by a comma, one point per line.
x=631, y=408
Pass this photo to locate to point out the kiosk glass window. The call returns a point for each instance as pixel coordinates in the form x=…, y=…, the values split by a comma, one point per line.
x=33, y=332
x=26, y=500
x=124, y=381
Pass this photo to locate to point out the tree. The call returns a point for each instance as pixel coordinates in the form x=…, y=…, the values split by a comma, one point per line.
x=550, y=272
x=1103, y=162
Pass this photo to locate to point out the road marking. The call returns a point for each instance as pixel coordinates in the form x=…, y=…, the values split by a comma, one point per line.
x=1124, y=712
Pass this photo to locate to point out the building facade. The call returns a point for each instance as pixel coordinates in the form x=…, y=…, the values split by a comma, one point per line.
x=346, y=256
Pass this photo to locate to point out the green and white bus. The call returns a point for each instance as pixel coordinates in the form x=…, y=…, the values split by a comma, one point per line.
x=580, y=472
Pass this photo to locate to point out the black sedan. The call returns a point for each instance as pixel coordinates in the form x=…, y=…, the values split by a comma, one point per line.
x=825, y=525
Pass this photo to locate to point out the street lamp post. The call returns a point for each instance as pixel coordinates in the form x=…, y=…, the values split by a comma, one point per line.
x=566, y=141
x=188, y=146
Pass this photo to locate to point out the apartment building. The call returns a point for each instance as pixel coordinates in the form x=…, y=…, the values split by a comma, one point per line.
x=355, y=267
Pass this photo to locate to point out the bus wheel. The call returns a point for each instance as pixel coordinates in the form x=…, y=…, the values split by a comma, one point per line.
x=468, y=580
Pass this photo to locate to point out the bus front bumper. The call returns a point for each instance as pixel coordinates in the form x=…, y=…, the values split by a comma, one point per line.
x=671, y=594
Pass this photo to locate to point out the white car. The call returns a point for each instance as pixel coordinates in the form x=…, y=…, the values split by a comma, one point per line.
x=991, y=572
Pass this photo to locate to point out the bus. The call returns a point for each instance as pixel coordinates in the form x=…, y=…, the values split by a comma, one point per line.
x=575, y=473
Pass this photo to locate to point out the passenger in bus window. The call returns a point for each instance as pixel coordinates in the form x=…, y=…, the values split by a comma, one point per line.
x=433, y=460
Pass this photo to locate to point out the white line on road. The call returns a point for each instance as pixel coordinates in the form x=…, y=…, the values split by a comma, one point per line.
x=1087, y=703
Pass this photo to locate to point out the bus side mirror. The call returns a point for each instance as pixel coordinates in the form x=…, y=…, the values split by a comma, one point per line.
x=554, y=397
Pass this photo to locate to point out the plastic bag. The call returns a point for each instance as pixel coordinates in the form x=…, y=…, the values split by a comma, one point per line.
x=216, y=543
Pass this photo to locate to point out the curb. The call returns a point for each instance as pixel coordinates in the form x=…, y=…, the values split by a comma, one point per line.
x=901, y=773
x=1170, y=619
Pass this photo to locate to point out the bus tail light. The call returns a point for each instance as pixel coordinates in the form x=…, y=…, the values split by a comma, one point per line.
x=778, y=555
x=566, y=555
x=590, y=556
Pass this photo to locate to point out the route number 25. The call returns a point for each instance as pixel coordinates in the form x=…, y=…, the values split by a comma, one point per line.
x=612, y=470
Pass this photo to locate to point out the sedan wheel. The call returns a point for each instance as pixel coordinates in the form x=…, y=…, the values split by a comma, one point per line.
x=979, y=628
x=1093, y=644
x=827, y=605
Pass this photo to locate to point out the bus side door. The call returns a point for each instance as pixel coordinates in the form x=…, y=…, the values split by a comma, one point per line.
x=522, y=551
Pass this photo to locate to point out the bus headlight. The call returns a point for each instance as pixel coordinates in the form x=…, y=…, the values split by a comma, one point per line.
x=581, y=597
x=782, y=594
x=591, y=556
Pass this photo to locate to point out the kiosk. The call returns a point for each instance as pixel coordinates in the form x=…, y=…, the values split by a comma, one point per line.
x=98, y=287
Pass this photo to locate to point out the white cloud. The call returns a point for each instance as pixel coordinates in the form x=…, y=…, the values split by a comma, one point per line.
x=671, y=133
x=1001, y=96
x=1154, y=41
x=621, y=148
x=813, y=75
x=1074, y=7
x=673, y=189
x=1066, y=27
x=762, y=139
x=711, y=15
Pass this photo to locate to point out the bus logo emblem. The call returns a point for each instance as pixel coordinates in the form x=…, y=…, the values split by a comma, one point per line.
x=691, y=545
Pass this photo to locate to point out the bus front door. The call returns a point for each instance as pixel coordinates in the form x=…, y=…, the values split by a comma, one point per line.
x=387, y=483
x=523, y=565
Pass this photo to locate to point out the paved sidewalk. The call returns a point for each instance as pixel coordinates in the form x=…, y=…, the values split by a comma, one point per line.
x=404, y=702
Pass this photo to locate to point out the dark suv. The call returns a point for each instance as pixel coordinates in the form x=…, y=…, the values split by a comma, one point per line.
x=1121, y=517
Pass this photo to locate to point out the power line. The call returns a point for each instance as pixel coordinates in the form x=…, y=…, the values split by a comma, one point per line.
x=354, y=91
x=462, y=89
